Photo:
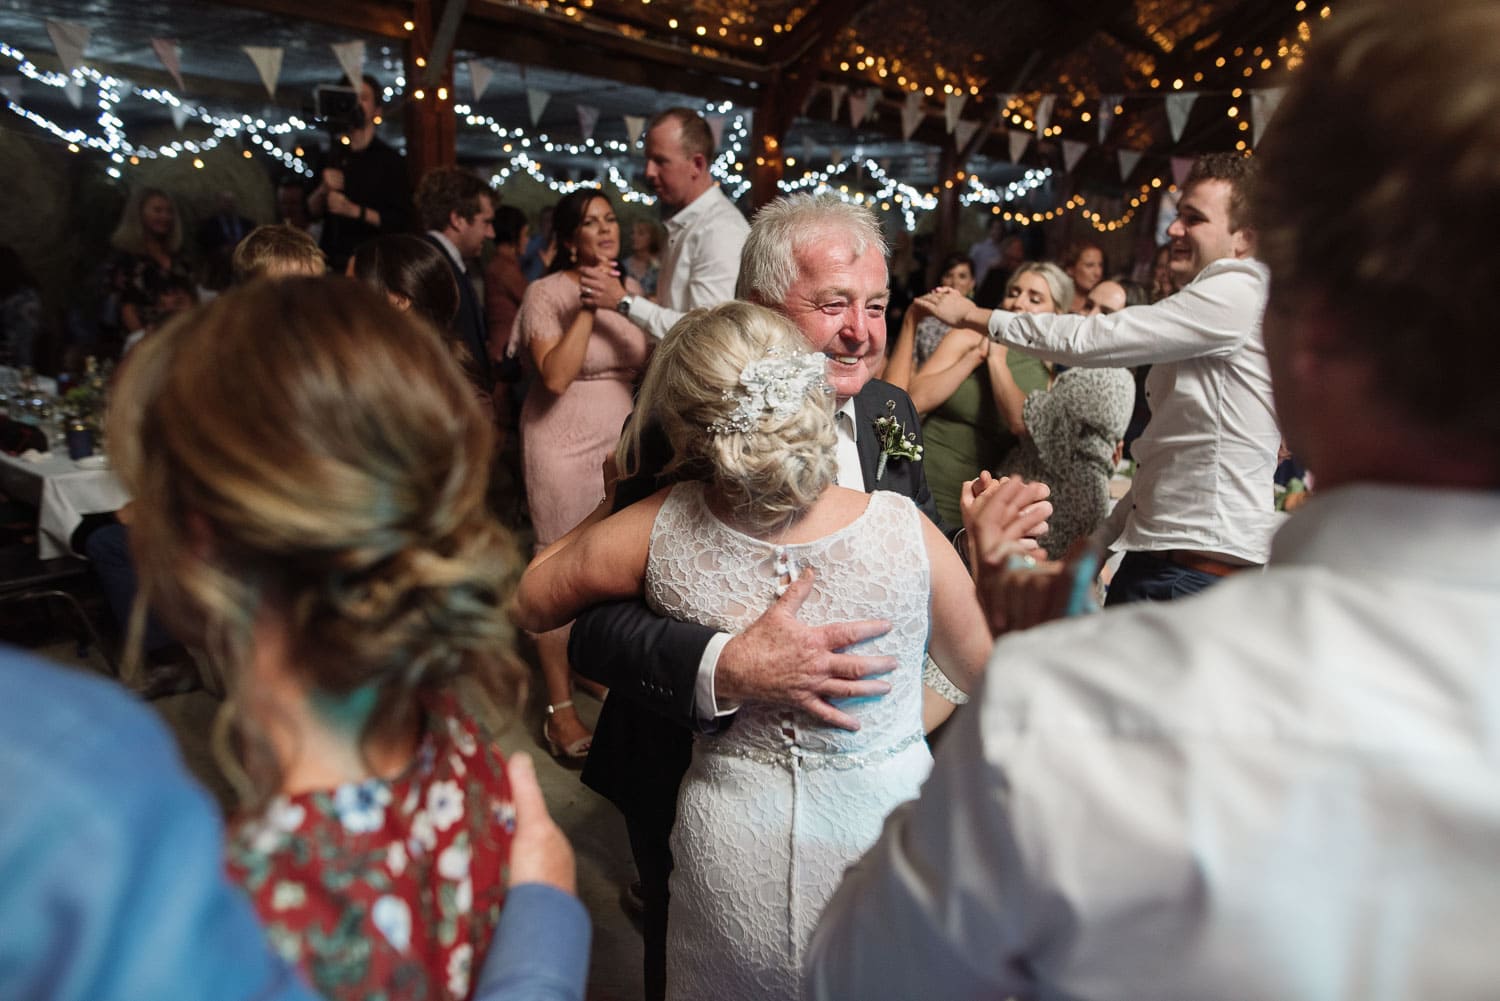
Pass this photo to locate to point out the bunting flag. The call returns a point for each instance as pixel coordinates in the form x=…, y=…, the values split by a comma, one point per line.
x=859, y=105
x=1107, y=105
x=588, y=117
x=179, y=115
x=807, y=100
x=1128, y=160
x=536, y=100
x=1044, y=113
x=1019, y=140
x=170, y=54
x=480, y=76
x=1262, y=107
x=838, y=90
x=836, y=156
x=911, y=114
x=1179, y=107
x=633, y=126
x=267, y=60
x=1072, y=150
x=716, y=126
x=10, y=87
x=351, y=57
x=964, y=132
x=69, y=40
x=952, y=108
x=74, y=90
x=1002, y=108
x=1180, y=167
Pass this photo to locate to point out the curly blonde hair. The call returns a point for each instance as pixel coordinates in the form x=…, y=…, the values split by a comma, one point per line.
x=768, y=475
x=301, y=447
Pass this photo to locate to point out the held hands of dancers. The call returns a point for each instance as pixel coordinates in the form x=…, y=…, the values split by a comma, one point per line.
x=954, y=309
x=603, y=287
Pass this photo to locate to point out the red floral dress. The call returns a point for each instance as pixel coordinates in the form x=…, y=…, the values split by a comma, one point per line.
x=385, y=890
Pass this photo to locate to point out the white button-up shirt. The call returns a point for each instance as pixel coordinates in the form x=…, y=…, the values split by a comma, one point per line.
x=1285, y=788
x=1207, y=459
x=700, y=264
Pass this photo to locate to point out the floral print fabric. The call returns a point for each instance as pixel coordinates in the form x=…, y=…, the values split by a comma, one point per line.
x=384, y=890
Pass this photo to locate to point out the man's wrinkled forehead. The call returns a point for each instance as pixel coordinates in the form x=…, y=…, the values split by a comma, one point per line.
x=830, y=261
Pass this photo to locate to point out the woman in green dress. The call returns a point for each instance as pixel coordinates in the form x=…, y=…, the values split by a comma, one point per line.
x=963, y=428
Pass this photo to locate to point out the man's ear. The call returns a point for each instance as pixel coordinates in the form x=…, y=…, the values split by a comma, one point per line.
x=456, y=221
x=700, y=163
x=1244, y=241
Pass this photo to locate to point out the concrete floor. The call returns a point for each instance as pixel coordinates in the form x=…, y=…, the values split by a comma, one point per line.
x=593, y=825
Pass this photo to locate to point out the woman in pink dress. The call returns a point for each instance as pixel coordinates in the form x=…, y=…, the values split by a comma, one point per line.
x=587, y=363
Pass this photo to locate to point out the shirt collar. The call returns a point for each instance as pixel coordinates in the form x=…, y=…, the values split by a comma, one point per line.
x=448, y=248
x=847, y=410
x=1380, y=530
x=693, y=210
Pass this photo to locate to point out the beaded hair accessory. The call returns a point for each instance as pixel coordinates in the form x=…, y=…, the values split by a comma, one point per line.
x=775, y=384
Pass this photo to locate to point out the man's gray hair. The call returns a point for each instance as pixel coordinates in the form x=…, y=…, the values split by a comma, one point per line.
x=768, y=264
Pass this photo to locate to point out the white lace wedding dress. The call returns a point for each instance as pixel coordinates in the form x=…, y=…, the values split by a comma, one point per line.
x=774, y=809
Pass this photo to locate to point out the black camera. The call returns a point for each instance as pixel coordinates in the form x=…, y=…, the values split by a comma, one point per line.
x=337, y=109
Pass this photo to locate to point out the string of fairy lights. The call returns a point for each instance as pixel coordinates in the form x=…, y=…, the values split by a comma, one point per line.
x=520, y=150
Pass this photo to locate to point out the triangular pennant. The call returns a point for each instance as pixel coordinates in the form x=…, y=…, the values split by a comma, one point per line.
x=952, y=108
x=1107, y=105
x=480, y=76
x=588, y=117
x=536, y=100
x=1019, y=140
x=836, y=156
x=859, y=102
x=74, y=90
x=1043, y=116
x=1180, y=167
x=351, y=57
x=838, y=90
x=267, y=60
x=1128, y=159
x=807, y=100
x=1002, y=108
x=170, y=54
x=963, y=132
x=911, y=114
x=10, y=87
x=633, y=126
x=1072, y=150
x=1262, y=107
x=1179, y=107
x=179, y=115
x=69, y=40
x=716, y=126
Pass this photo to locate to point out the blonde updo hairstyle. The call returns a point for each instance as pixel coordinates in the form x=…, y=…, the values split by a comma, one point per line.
x=767, y=476
x=302, y=448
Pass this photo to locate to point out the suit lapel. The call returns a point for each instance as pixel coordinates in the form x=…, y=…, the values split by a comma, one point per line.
x=866, y=403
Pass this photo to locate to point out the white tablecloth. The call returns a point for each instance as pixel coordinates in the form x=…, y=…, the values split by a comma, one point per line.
x=62, y=493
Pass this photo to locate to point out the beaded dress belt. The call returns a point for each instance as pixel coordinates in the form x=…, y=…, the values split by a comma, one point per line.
x=801, y=757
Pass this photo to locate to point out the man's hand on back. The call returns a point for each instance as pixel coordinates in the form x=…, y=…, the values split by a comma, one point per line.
x=780, y=660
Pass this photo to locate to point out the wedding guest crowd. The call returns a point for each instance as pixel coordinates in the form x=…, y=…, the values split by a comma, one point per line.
x=797, y=562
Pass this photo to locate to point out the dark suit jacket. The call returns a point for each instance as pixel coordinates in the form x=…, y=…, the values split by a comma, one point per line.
x=643, y=739
x=468, y=325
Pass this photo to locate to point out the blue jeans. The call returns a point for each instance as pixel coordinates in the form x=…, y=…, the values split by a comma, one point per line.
x=1147, y=577
x=108, y=549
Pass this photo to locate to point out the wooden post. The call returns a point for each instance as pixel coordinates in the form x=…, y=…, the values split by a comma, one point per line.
x=431, y=129
x=947, y=211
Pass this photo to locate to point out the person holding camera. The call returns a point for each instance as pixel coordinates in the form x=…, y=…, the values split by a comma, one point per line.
x=364, y=190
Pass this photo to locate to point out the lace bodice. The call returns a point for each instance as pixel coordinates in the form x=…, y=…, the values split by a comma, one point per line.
x=701, y=570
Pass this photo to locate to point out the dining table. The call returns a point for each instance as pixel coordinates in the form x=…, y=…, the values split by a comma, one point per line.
x=62, y=490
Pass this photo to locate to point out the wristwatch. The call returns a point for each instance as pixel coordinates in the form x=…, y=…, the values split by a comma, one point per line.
x=623, y=306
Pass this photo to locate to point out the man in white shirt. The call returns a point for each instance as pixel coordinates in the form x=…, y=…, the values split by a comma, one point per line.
x=704, y=234
x=1286, y=788
x=1201, y=506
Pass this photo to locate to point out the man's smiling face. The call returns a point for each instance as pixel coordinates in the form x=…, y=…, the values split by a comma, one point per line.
x=838, y=302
